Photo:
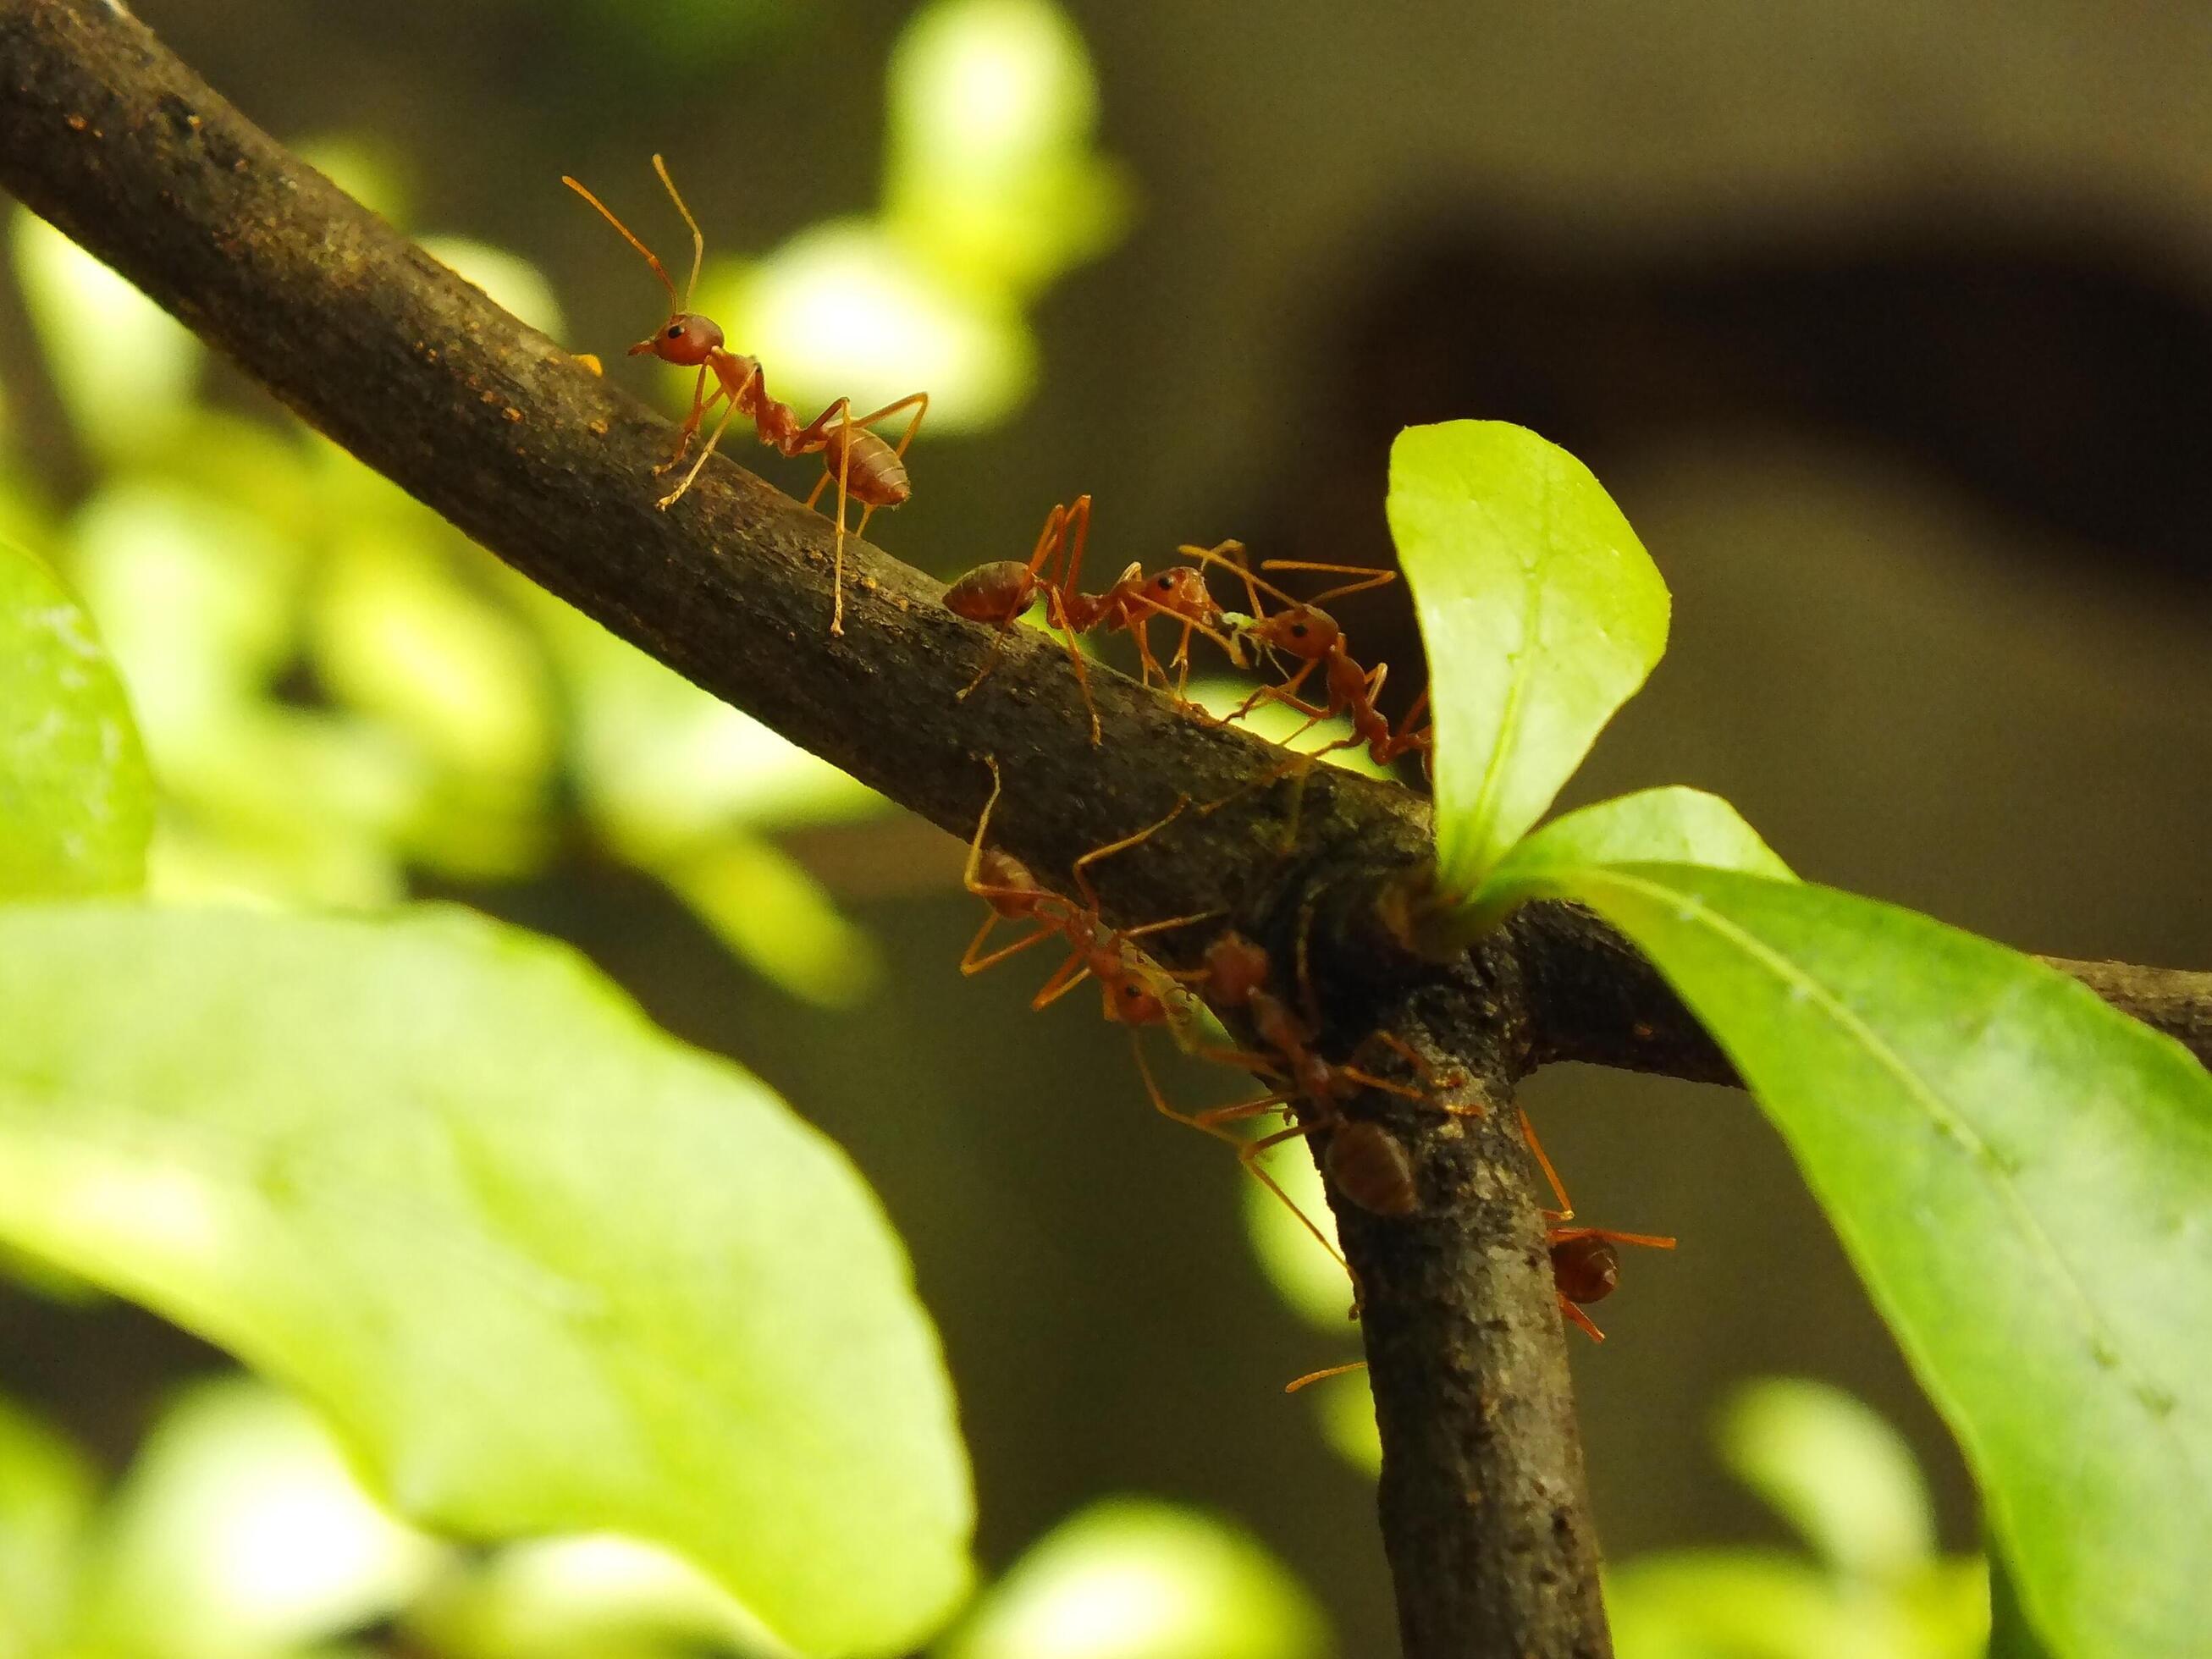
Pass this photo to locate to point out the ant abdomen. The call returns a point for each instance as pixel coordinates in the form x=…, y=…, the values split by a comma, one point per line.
x=1371, y=1167
x=996, y=592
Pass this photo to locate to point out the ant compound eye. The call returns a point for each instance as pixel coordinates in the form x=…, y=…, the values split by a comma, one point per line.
x=1297, y=630
x=675, y=330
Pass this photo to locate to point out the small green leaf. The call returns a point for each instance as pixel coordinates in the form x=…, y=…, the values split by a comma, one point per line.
x=1541, y=612
x=1834, y=1470
x=1672, y=825
x=2020, y=1174
x=76, y=803
x=545, y=1269
x=1130, y=1578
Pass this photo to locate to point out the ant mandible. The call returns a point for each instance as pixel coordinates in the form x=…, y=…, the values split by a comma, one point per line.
x=867, y=469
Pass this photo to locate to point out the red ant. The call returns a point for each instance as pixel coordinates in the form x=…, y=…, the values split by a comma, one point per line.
x=1303, y=630
x=1585, y=1267
x=1136, y=990
x=867, y=468
x=999, y=592
x=1360, y=1155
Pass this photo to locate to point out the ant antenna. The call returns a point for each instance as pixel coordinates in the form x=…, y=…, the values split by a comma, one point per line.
x=659, y=270
x=698, y=241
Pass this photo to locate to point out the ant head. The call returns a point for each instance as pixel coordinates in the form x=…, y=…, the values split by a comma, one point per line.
x=1182, y=588
x=1585, y=1267
x=1130, y=1001
x=686, y=338
x=1302, y=631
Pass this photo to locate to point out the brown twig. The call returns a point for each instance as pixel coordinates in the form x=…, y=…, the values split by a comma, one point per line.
x=1485, y=1517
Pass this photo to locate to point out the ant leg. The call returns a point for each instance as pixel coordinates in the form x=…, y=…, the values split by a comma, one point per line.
x=1650, y=1241
x=1081, y=868
x=1323, y=1375
x=1431, y=1079
x=1582, y=1319
x=1064, y=978
x=1368, y=577
x=1284, y=693
x=705, y=455
x=971, y=876
x=972, y=963
x=1056, y=607
x=1566, y=1210
x=837, y=561
x=700, y=403
x=1248, y=1155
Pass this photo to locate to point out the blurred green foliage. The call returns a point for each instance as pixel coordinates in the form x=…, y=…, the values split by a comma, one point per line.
x=340, y=694
x=1872, y=1586
x=75, y=800
x=542, y=1266
x=240, y=1532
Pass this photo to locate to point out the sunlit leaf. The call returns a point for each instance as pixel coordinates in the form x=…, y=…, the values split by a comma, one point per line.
x=1955, y=1105
x=1835, y=1471
x=844, y=310
x=47, y=1494
x=991, y=170
x=1346, y=1407
x=370, y=171
x=1541, y=614
x=777, y=917
x=509, y=279
x=240, y=1531
x=1132, y=1579
x=1302, y=1271
x=545, y=1269
x=597, y=1597
x=665, y=767
x=196, y=599
x=397, y=636
x=1748, y=1604
x=76, y=803
x=124, y=367
x=1670, y=825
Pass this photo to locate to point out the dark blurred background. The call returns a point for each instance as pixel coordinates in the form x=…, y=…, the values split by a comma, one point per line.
x=1888, y=325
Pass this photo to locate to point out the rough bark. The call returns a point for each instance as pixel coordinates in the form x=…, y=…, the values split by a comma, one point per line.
x=367, y=339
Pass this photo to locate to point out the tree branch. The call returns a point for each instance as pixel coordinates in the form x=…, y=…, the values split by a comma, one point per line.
x=1485, y=1516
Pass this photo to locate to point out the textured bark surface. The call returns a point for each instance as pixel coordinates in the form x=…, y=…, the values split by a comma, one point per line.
x=1485, y=1515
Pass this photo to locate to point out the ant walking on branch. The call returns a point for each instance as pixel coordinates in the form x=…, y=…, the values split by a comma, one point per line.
x=999, y=593
x=1302, y=630
x=1585, y=1267
x=867, y=469
x=1136, y=991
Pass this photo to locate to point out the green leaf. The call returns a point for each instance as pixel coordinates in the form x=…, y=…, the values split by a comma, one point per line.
x=1541, y=613
x=2020, y=1174
x=76, y=803
x=241, y=1531
x=545, y=1269
x=1130, y=1578
x=1673, y=825
x=47, y=1495
x=1832, y=1468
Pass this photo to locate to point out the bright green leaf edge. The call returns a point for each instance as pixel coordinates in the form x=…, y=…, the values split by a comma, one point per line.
x=1672, y=824
x=1541, y=612
x=76, y=800
x=2020, y=1174
x=545, y=1269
